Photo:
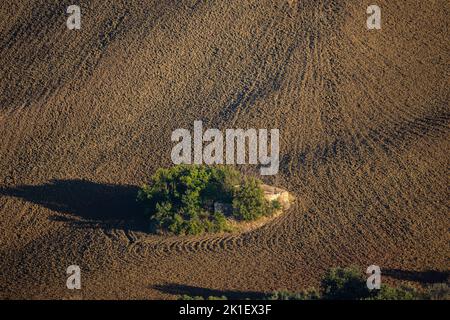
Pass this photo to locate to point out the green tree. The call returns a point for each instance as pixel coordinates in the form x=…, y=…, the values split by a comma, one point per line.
x=248, y=201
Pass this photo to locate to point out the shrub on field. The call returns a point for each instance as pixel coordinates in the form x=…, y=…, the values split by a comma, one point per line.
x=395, y=293
x=437, y=291
x=344, y=284
x=350, y=284
x=310, y=294
x=275, y=205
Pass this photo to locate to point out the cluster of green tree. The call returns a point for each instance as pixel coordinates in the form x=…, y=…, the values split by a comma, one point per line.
x=350, y=284
x=181, y=199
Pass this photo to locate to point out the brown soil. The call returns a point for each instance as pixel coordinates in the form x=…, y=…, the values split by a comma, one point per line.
x=86, y=117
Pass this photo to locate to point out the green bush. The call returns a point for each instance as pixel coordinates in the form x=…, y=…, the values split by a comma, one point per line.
x=392, y=293
x=276, y=205
x=310, y=294
x=350, y=284
x=437, y=291
x=344, y=284
x=249, y=202
x=180, y=199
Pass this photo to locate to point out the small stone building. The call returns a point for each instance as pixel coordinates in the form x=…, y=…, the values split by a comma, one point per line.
x=274, y=193
x=270, y=194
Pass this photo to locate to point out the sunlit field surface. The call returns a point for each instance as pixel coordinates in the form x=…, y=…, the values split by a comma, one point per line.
x=86, y=118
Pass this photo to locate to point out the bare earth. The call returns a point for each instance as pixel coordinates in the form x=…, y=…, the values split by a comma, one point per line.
x=86, y=117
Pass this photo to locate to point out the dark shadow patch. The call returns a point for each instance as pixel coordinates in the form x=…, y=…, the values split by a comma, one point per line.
x=88, y=204
x=193, y=291
x=428, y=276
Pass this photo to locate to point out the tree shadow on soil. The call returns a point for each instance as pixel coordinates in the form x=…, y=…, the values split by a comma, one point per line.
x=428, y=276
x=193, y=291
x=85, y=204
